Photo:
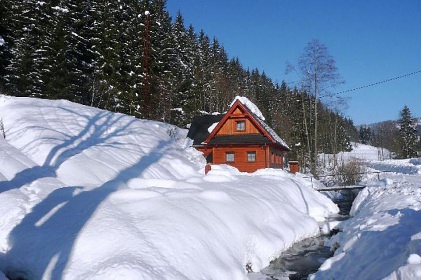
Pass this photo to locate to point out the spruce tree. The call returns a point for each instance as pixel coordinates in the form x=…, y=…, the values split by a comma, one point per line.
x=182, y=107
x=236, y=76
x=158, y=58
x=79, y=52
x=126, y=56
x=407, y=133
x=5, y=41
x=202, y=75
x=29, y=23
x=365, y=135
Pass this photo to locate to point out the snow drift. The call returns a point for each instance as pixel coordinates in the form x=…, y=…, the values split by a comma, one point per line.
x=89, y=194
x=382, y=239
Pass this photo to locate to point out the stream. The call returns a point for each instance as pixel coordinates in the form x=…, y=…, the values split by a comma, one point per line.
x=305, y=257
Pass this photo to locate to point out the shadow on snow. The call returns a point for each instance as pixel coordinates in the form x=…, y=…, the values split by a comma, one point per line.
x=95, y=133
x=46, y=235
x=390, y=248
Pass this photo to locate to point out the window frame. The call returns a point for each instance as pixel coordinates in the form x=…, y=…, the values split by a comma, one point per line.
x=242, y=124
x=254, y=158
x=229, y=153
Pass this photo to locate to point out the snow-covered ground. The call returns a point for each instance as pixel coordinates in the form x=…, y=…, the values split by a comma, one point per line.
x=359, y=151
x=382, y=239
x=89, y=194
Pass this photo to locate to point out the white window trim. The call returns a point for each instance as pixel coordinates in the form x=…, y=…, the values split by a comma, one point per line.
x=231, y=154
x=251, y=153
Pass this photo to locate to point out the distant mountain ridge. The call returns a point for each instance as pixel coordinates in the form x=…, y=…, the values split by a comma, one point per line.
x=417, y=122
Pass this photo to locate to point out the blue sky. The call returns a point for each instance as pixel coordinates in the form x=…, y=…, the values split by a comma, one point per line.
x=371, y=41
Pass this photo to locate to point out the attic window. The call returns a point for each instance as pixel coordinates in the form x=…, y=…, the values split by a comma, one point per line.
x=240, y=125
x=229, y=156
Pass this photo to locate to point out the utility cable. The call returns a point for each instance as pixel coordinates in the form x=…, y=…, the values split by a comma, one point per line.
x=381, y=82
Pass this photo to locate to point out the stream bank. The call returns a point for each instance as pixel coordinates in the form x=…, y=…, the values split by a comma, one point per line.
x=305, y=257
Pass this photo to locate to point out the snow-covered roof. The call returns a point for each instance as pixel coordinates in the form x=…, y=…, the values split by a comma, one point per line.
x=254, y=110
x=250, y=105
x=212, y=127
x=272, y=132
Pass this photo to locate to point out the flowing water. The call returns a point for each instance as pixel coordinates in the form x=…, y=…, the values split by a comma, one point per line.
x=305, y=257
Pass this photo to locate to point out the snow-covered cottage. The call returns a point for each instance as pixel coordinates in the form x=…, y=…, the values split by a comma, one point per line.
x=239, y=138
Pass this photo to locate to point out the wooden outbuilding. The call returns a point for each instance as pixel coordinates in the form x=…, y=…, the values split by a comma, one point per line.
x=239, y=138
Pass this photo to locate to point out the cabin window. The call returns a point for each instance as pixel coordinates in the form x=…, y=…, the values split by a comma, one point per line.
x=251, y=156
x=241, y=125
x=230, y=157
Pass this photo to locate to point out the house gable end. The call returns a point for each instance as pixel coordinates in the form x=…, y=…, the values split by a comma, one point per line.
x=237, y=113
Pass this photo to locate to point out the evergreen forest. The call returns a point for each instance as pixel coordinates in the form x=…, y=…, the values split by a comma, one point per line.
x=132, y=57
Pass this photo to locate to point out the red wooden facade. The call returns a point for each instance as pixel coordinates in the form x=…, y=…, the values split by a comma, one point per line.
x=243, y=140
x=265, y=157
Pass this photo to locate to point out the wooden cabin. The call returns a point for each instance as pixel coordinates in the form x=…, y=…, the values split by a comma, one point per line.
x=239, y=138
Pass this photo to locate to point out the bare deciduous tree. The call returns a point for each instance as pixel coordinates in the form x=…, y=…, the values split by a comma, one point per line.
x=318, y=75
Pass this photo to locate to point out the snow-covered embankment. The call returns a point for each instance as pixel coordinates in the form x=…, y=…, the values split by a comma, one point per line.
x=88, y=194
x=382, y=240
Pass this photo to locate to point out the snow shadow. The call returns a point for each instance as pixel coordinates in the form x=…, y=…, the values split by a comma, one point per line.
x=389, y=250
x=41, y=244
x=44, y=239
x=95, y=133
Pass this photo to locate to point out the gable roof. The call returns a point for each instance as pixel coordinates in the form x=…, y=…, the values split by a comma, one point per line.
x=199, y=129
x=267, y=132
x=275, y=136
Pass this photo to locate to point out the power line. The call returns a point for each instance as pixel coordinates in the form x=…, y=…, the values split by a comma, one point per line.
x=381, y=82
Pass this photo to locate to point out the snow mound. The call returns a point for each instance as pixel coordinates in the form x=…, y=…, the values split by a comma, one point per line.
x=382, y=240
x=89, y=194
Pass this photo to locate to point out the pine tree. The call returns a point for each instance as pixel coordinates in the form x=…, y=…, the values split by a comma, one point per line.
x=236, y=76
x=221, y=86
x=79, y=52
x=127, y=56
x=162, y=60
x=183, y=103
x=5, y=41
x=29, y=23
x=202, y=73
x=407, y=132
x=365, y=135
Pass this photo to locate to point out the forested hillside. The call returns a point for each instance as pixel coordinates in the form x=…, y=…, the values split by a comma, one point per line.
x=132, y=57
x=389, y=135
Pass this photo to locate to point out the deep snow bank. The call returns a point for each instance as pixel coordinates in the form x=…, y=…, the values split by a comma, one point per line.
x=383, y=238
x=88, y=194
x=402, y=166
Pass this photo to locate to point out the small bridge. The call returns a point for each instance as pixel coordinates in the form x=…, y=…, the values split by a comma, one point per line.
x=340, y=188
